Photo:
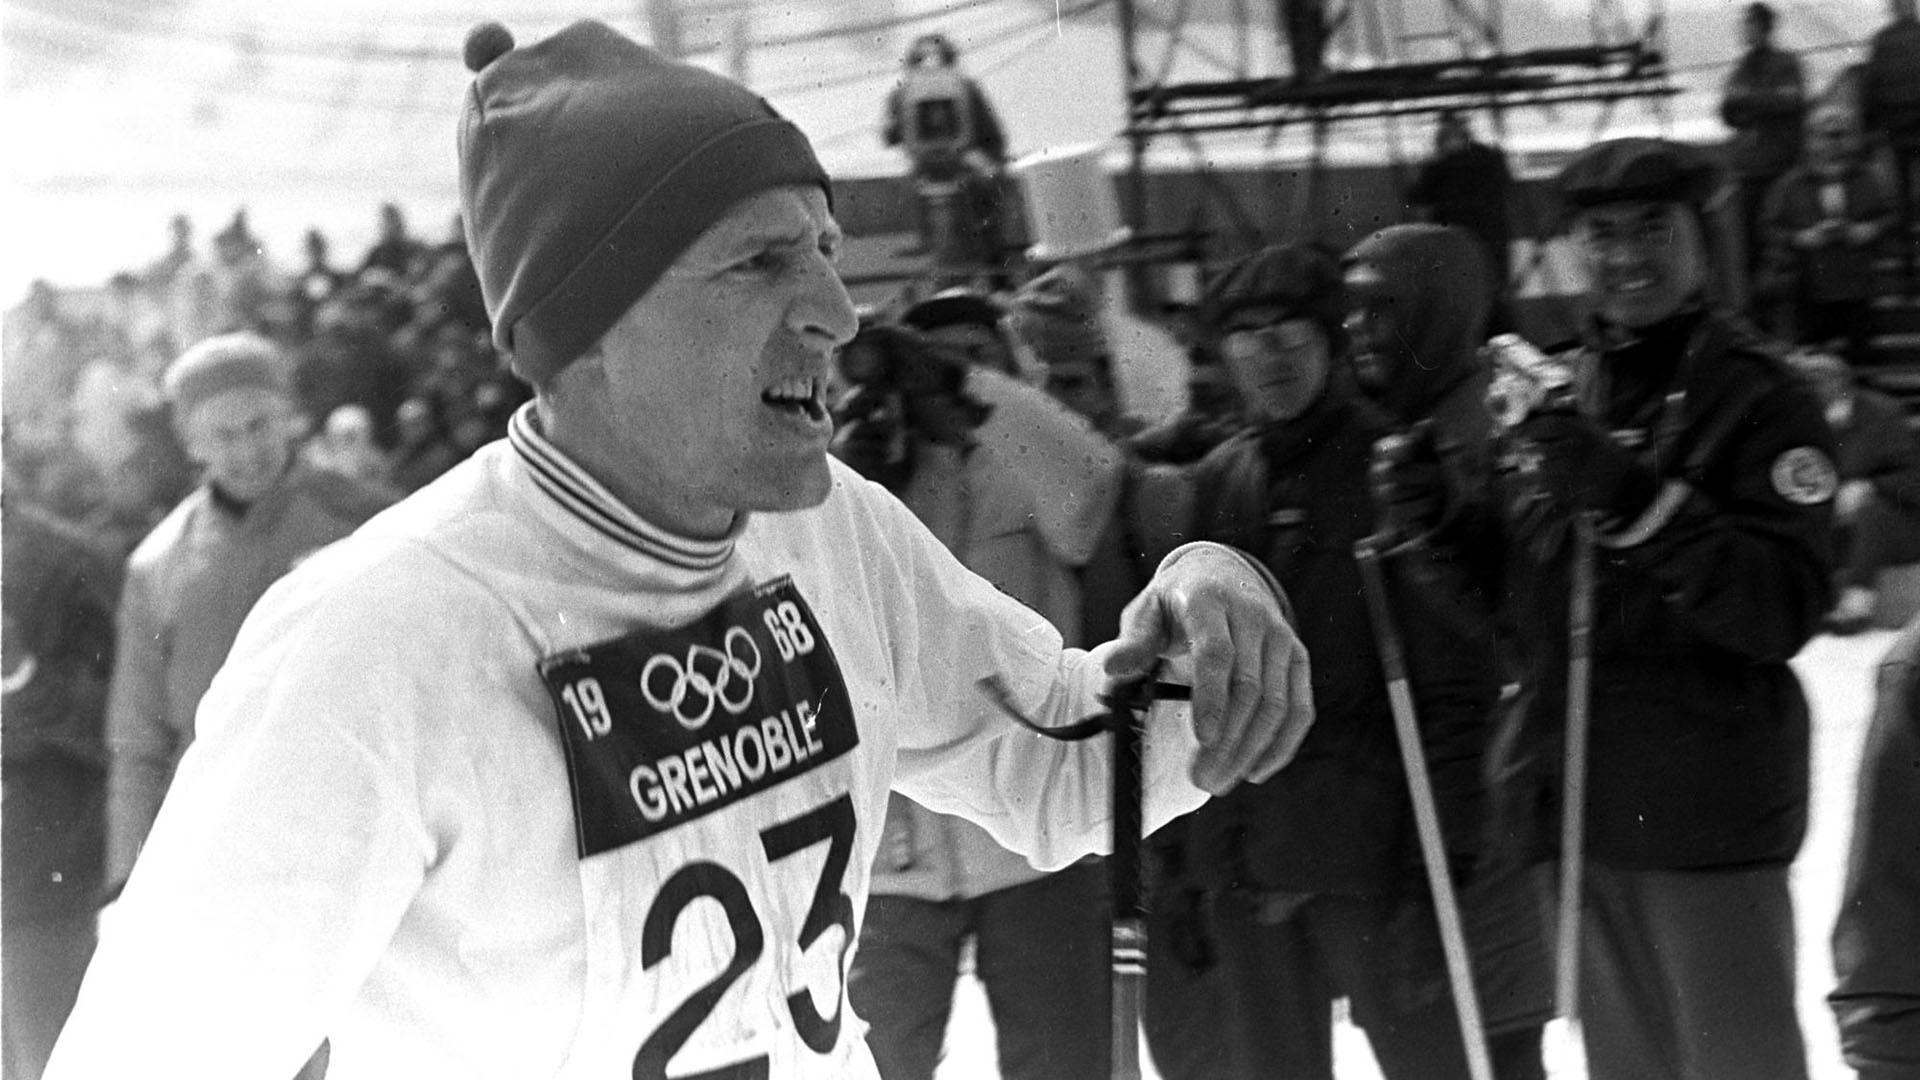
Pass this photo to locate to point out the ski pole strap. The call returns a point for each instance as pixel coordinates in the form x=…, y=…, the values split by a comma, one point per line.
x=1125, y=701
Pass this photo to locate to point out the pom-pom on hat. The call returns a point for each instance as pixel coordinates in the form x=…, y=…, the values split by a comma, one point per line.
x=1058, y=316
x=222, y=363
x=588, y=163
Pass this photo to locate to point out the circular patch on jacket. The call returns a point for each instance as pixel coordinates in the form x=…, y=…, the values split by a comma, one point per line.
x=1805, y=475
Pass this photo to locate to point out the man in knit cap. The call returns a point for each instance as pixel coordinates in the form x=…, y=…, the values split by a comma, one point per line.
x=191, y=582
x=574, y=763
x=1703, y=470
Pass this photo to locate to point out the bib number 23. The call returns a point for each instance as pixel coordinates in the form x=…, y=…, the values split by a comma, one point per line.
x=833, y=823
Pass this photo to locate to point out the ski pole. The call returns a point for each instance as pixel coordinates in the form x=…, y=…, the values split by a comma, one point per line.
x=1126, y=706
x=1426, y=815
x=1573, y=795
x=1129, y=942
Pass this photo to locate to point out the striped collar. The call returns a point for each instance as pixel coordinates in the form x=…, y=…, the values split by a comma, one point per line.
x=588, y=501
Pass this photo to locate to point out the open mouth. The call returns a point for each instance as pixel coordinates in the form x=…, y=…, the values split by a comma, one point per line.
x=803, y=397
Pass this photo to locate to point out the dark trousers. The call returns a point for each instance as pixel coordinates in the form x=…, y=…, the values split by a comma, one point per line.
x=1753, y=238
x=1041, y=951
x=1881, y=535
x=1689, y=975
x=1255, y=999
x=44, y=962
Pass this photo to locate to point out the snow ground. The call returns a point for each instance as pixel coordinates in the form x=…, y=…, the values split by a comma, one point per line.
x=1838, y=674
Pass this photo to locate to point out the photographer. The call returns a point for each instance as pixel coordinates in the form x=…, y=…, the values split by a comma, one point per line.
x=1706, y=471
x=1019, y=489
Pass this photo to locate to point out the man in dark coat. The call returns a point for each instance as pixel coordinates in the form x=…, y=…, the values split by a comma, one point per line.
x=1281, y=897
x=60, y=588
x=1466, y=184
x=1764, y=102
x=1705, y=470
x=1876, y=937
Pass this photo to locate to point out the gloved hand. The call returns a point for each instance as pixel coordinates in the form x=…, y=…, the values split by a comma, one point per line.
x=1582, y=468
x=1408, y=484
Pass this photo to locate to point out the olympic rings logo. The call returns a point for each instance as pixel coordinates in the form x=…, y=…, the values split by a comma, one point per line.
x=709, y=677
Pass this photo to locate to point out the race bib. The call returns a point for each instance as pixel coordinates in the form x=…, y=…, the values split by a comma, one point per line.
x=663, y=727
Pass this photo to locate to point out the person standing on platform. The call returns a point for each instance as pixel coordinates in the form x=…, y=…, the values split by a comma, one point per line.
x=1765, y=103
x=1467, y=183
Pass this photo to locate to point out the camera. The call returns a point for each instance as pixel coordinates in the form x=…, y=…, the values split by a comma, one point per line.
x=901, y=387
x=1527, y=381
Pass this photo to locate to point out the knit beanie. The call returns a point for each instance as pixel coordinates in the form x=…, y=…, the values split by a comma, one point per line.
x=588, y=163
x=222, y=363
x=1298, y=280
x=1058, y=316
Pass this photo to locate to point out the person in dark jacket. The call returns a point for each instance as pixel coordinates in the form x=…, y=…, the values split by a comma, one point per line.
x=1764, y=102
x=1876, y=512
x=1708, y=471
x=1823, y=223
x=1467, y=184
x=1279, y=898
x=60, y=588
x=1876, y=937
x=1890, y=109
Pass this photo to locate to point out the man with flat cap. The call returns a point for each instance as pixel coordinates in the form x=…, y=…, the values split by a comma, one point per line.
x=1705, y=470
x=574, y=763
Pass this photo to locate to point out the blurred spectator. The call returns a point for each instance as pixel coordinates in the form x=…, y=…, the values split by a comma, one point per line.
x=59, y=591
x=352, y=359
x=395, y=251
x=1057, y=316
x=1466, y=183
x=1876, y=937
x=1876, y=512
x=424, y=447
x=193, y=579
x=244, y=282
x=1019, y=490
x=1890, y=107
x=315, y=284
x=449, y=288
x=1306, y=26
x=345, y=445
x=182, y=283
x=1824, y=221
x=1764, y=102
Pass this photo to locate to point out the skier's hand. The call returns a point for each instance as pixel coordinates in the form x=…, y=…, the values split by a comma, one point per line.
x=1210, y=608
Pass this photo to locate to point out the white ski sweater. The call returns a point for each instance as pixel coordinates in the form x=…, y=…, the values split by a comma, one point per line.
x=433, y=816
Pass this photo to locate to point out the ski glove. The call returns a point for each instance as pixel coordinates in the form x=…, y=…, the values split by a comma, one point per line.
x=1582, y=468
